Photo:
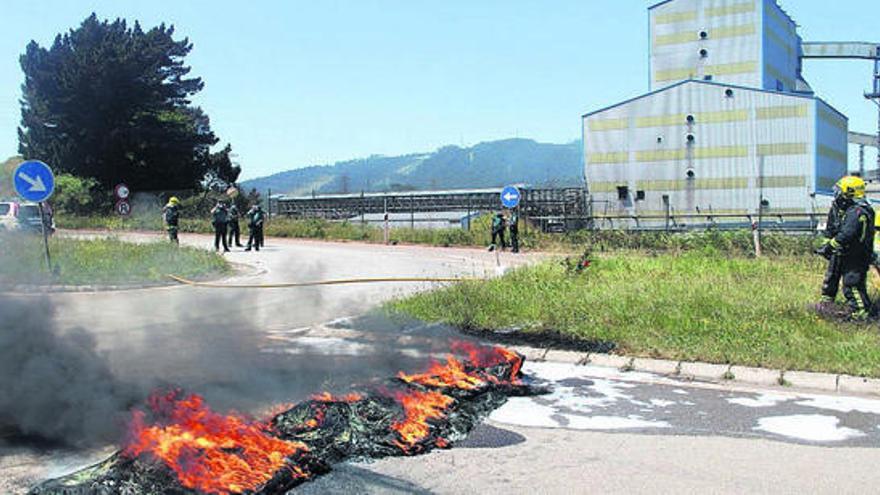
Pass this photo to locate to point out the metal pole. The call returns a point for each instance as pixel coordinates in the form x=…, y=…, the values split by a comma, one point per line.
x=386, y=220
x=45, y=237
x=412, y=212
x=269, y=204
x=469, y=212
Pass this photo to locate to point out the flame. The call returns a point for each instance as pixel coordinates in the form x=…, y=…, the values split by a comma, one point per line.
x=449, y=375
x=418, y=408
x=221, y=454
x=211, y=452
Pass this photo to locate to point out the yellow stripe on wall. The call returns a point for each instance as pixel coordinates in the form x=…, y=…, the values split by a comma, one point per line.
x=698, y=153
x=722, y=152
x=682, y=184
x=782, y=149
x=716, y=33
x=715, y=70
x=675, y=38
x=661, y=120
x=732, y=31
x=735, y=68
x=675, y=74
x=737, y=8
x=660, y=155
x=725, y=116
x=833, y=120
x=618, y=157
x=782, y=181
x=833, y=154
x=671, y=17
x=607, y=124
x=782, y=112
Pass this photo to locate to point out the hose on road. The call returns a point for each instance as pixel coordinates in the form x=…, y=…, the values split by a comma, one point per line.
x=348, y=281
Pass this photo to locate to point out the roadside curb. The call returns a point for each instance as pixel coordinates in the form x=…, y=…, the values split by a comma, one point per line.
x=708, y=372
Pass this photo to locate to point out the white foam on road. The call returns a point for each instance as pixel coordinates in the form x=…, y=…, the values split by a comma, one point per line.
x=571, y=406
x=841, y=404
x=809, y=427
x=763, y=400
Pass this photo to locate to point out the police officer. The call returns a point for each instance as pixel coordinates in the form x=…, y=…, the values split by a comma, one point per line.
x=171, y=215
x=497, y=231
x=219, y=218
x=255, y=227
x=234, y=228
x=513, y=227
x=854, y=245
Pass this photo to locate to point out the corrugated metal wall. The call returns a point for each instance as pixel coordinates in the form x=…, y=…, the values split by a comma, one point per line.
x=780, y=49
x=735, y=138
x=831, y=147
x=696, y=39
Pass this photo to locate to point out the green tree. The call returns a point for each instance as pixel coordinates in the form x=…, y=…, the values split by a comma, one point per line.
x=113, y=102
x=74, y=195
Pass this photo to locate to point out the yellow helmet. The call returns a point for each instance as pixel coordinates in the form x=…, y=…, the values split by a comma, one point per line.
x=173, y=200
x=850, y=187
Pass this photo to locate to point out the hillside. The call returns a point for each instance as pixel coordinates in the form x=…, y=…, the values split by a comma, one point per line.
x=489, y=164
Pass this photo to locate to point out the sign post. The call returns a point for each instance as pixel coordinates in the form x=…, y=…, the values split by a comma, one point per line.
x=34, y=181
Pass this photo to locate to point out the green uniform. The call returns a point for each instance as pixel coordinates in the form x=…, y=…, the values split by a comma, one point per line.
x=513, y=226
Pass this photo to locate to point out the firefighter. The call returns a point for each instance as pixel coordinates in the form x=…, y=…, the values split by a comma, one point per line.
x=831, y=283
x=854, y=245
x=255, y=227
x=497, y=231
x=219, y=219
x=234, y=227
x=171, y=215
x=513, y=227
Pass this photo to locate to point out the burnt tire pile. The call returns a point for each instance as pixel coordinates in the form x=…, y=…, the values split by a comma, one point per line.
x=396, y=418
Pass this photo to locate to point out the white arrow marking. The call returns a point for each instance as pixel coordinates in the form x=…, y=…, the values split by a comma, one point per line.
x=36, y=184
x=510, y=196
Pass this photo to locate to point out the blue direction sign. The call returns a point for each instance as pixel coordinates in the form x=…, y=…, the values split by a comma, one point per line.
x=34, y=181
x=510, y=197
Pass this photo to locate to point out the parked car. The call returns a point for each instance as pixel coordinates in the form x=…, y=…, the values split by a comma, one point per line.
x=16, y=216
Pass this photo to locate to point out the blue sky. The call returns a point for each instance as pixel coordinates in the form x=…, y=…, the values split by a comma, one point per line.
x=295, y=83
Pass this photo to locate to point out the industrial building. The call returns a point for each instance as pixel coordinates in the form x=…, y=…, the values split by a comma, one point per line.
x=730, y=125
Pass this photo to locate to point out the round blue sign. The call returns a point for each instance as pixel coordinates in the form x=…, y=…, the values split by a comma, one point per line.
x=510, y=197
x=34, y=181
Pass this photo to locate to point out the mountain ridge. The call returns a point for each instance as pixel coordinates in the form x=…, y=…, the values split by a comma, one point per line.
x=487, y=164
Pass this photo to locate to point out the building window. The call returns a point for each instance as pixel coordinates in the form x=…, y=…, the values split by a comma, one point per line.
x=690, y=119
x=707, y=78
x=690, y=139
x=691, y=174
x=622, y=193
x=728, y=93
x=704, y=53
x=704, y=35
x=640, y=195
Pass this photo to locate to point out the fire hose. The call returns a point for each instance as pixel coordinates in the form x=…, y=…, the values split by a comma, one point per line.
x=349, y=281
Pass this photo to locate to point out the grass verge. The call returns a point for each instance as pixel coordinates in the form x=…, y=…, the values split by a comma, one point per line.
x=731, y=242
x=101, y=261
x=692, y=307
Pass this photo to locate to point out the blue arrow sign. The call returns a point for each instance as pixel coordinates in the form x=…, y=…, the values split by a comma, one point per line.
x=33, y=181
x=510, y=197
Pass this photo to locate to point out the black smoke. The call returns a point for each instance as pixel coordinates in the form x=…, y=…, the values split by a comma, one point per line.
x=54, y=384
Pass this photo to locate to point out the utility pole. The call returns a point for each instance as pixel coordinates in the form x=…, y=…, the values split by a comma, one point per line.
x=874, y=96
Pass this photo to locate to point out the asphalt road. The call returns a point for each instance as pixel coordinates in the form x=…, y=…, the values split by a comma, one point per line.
x=599, y=431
